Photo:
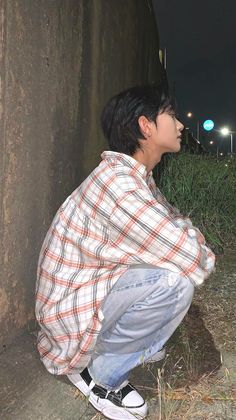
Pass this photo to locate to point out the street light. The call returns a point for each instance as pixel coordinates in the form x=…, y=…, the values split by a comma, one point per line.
x=217, y=148
x=190, y=115
x=225, y=132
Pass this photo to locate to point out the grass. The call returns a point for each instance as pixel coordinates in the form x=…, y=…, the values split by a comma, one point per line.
x=188, y=386
x=196, y=381
x=193, y=401
x=204, y=189
x=183, y=391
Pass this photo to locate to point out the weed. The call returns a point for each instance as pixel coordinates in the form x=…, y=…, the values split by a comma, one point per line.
x=203, y=189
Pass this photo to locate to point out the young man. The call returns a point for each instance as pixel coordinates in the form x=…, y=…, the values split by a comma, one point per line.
x=119, y=264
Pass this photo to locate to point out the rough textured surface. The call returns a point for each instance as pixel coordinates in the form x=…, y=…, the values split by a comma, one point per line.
x=29, y=392
x=59, y=62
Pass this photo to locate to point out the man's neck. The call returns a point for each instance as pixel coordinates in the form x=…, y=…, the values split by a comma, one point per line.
x=145, y=159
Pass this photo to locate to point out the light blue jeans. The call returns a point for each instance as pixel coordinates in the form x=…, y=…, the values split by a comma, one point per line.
x=141, y=312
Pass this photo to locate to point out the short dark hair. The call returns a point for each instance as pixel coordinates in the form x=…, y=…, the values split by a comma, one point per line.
x=120, y=115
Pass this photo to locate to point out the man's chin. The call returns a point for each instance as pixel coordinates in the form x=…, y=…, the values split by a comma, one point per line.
x=178, y=148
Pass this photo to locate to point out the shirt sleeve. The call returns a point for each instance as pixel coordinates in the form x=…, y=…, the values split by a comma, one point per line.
x=142, y=226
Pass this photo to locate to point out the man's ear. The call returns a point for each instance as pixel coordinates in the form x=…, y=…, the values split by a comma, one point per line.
x=145, y=126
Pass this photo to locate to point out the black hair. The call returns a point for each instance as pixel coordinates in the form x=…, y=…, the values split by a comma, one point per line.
x=120, y=116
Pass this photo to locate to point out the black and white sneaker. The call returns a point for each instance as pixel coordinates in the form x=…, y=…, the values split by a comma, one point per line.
x=124, y=403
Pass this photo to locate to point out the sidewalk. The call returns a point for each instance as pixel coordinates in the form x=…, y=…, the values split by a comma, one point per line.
x=29, y=392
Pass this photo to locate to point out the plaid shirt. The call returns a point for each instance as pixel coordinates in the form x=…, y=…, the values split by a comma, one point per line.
x=116, y=218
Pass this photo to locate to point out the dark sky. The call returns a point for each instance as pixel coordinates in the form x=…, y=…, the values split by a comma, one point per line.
x=200, y=38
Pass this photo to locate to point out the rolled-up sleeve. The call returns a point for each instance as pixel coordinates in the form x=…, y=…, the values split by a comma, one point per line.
x=143, y=226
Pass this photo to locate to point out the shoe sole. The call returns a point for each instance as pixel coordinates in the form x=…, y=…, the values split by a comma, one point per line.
x=106, y=407
x=79, y=383
x=112, y=412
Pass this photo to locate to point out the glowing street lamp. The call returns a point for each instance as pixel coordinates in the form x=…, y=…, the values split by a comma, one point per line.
x=217, y=148
x=190, y=115
x=225, y=132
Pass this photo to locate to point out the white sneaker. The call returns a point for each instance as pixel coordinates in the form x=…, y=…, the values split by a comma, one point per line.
x=123, y=404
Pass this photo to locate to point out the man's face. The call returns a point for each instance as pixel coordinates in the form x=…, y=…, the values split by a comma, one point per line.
x=165, y=134
x=161, y=137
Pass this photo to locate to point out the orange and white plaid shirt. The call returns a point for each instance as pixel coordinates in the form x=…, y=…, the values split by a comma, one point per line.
x=116, y=218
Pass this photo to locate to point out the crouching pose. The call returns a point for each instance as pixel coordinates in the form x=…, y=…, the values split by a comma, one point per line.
x=119, y=264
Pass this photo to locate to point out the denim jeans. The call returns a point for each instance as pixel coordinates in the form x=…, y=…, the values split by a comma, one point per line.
x=141, y=312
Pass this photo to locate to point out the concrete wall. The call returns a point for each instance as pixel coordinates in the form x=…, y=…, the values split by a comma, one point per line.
x=60, y=60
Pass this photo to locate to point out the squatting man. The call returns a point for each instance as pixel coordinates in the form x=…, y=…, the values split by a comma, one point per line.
x=119, y=264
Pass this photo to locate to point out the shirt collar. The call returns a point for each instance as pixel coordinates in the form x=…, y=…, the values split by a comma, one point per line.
x=127, y=161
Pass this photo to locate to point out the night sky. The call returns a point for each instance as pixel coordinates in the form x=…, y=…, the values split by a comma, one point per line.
x=200, y=38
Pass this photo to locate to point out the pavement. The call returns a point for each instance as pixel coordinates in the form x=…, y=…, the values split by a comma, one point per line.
x=29, y=392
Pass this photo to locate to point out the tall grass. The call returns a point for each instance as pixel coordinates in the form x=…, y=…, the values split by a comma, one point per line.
x=205, y=190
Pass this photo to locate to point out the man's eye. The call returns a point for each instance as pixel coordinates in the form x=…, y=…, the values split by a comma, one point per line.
x=175, y=116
